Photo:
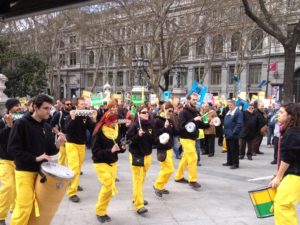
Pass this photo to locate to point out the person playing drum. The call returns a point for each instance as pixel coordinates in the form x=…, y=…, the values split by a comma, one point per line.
x=7, y=166
x=287, y=179
x=105, y=148
x=31, y=142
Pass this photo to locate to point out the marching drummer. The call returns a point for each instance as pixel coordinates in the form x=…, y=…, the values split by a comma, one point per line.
x=31, y=142
x=189, y=124
x=163, y=132
x=105, y=149
x=75, y=127
x=7, y=178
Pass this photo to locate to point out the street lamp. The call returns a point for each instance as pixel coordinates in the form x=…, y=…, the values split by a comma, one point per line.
x=179, y=69
x=140, y=65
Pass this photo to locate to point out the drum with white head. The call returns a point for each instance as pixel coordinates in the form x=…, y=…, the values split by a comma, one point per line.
x=190, y=127
x=164, y=138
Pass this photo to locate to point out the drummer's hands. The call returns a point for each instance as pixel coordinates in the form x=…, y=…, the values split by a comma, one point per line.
x=9, y=119
x=211, y=123
x=72, y=114
x=115, y=148
x=43, y=157
x=167, y=123
x=94, y=117
x=198, y=118
x=275, y=182
x=141, y=133
x=61, y=140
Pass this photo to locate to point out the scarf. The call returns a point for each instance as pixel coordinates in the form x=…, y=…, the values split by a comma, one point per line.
x=109, y=117
x=282, y=128
x=110, y=133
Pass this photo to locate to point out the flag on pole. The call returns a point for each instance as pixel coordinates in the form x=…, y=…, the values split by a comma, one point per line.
x=273, y=67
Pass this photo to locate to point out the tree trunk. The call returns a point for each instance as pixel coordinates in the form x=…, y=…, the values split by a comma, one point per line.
x=289, y=68
x=166, y=77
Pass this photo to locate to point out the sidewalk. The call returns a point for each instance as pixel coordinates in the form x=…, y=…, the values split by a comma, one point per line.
x=222, y=200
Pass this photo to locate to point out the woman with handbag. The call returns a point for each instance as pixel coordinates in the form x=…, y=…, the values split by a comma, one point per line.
x=106, y=146
x=287, y=179
x=163, y=132
x=140, y=135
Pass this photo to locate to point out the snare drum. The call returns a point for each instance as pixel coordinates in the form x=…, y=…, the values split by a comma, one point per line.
x=50, y=188
x=262, y=200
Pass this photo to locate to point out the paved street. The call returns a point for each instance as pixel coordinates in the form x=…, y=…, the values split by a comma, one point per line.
x=222, y=200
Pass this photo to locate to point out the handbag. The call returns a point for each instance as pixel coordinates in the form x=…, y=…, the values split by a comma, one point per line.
x=137, y=160
x=264, y=130
x=161, y=156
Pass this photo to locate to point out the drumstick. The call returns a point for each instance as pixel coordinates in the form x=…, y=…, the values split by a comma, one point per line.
x=139, y=121
x=261, y=178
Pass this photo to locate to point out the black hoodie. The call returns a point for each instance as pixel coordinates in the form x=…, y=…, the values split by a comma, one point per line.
x=4, y=134
x=29, y=139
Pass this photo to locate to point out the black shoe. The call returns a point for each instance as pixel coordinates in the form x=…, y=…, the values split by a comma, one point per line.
x=79, y=188
x=241, y=157
x=226, y=164
x=2, y=222
x=199, y=164
x=273, y=162
x=204, y=153
x=195, y=184
x=142, y=211
x=117, y=180
x=182, y=180
x=249, y=157
x=158, y=192
x=81, y=173
x=74, y=199
x=253, y=154
x=145, y=202
x=103, y=219
x=211, y=155
x=260, y=153
x=165, y=191
x=234, y=167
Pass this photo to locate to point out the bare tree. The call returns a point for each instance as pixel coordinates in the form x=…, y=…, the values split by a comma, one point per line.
x=279, y=19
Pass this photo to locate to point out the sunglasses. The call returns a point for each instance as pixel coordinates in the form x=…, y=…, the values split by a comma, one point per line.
x=170, y=111
x=144, y=112
x=68, y=104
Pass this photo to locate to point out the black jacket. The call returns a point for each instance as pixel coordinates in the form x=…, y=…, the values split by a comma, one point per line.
x=76, y=129
x=29, y=139
x=62, y=116
x=159, y=128
x=4, y=134
x=185, y=116
x=250, y=128
x=290, y=150
x=262, y=119
x=101, y=148
x=140, y=145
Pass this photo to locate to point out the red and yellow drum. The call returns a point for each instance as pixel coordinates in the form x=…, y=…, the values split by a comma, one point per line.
x=262, y=200
x=50, y=187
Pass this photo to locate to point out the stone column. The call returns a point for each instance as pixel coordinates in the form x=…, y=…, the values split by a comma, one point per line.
x=3, y=96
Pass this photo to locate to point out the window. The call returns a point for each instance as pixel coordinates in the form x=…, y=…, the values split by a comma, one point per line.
x=183, y=79
x=142, y=52
x=61, y=44
x=100, y=79
x=231, y=74
x=235, y=41
x=62, y=59
x=73, y=58
x=110, y=78
x=130, y=79
x=218, y=44
x=91, y=58
x=257, y=40
x=198, y=74
x=255, y=73
x=101, y=59
x=72, y=39
x=184, y=50
x=121, y=55
x=89, y=80
x=120, y=78
x=171, y=80
x=216, y=75
x=200, y=46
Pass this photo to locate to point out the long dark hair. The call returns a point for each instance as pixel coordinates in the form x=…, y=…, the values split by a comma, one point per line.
x=293, y=110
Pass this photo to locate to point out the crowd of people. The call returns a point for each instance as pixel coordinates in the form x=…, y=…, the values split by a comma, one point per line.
x=182, y=129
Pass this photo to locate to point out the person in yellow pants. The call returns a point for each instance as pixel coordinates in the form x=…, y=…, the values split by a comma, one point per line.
x=31, y=141
x=224, y=147
x=7, y=165
x=58, y=126
x=189, y=124
x=105, y=148
x=287, y=179
x=140, y=135
x=75, y=128
x=164, y=132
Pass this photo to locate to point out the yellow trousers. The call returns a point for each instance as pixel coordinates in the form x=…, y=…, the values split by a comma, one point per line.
x=138, y=179
x=62, y=157
x=8, y=187
x=75, y=155
x=189, y=159
x=286, y=199
x=25, y=197
x=224, y=145
x=107, y=175
x=166, y=171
